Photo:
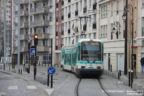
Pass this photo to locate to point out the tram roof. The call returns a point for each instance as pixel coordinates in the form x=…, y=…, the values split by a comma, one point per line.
x=82, y=40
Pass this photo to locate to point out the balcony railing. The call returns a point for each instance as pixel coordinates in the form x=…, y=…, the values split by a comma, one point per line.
x=37, y=23
x=37, y=10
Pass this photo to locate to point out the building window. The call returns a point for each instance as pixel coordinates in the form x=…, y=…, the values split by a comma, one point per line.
x=104, y=11
x=142, y=26
x=45, y=29
x=103, y=32
x=111, y=30
x=94, y=35
x=45, y=42
x=117, y=8
x=63, y=29
x=111, y=8
x=94, y=22
x=142, y=3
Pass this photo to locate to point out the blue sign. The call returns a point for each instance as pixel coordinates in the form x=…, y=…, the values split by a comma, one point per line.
x=32, y=51
x=51, y=70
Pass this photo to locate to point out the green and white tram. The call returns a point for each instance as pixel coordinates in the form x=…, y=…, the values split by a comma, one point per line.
x=85, y=58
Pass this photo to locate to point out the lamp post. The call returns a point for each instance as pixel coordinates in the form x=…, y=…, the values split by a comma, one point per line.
x=126, y=43
x=124, y=17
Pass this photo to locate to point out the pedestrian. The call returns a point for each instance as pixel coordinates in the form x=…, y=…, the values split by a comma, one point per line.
x=142, y=64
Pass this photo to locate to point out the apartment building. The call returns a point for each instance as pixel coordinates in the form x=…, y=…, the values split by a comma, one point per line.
x=5, y=25
x=75, y=19
x=36, y=17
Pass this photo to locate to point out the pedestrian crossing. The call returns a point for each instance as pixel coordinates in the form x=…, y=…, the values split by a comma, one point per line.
x=15, y=87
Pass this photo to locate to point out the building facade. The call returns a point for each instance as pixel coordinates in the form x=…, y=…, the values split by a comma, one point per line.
x=36, y=17
x=6, y=27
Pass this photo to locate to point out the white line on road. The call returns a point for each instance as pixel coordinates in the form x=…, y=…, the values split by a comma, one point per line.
x=12, y=87
x=31, y=87
x=49, y=91
x=2, y=94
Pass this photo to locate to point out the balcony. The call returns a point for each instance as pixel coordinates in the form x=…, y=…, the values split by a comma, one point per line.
x=37, y=23
x=46, y=22
x=84, y=27
x=26, y=12
x=76, y=13
x=69, y=15
x=26, y=24
x=37, y=10
x=46, y=9
x=43, y=36
x=43, y=48
x=85, y=10
x=24, y=1
x=24, y=37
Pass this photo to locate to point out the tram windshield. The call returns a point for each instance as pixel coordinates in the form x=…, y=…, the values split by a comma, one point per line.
x=91, y=51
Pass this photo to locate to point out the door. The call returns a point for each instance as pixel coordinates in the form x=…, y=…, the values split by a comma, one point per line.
x=106, y=61
x=120, y=61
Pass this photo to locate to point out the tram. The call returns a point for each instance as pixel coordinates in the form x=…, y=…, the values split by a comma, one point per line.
x=84, y=58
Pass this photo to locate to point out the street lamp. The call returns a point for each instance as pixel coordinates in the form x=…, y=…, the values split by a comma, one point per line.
x=124, y=17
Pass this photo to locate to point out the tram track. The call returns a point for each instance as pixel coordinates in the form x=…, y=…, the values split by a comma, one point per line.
x=103, y=91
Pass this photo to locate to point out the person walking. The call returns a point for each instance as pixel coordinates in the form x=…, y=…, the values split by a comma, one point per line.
x=142, y=63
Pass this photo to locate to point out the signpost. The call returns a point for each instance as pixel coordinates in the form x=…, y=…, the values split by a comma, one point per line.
x=51, y=71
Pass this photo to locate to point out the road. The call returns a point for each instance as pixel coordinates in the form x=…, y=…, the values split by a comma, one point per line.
x=65, y=84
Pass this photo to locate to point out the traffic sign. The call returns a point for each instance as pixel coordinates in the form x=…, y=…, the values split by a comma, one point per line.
x=32, y=51
x=51, y=70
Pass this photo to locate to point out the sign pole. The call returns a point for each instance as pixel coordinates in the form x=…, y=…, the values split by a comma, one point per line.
x=51, y=65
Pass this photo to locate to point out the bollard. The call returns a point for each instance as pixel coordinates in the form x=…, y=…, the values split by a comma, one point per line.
x=132, y=78
x=111, y=68
x=129, y=77
x=119, y=74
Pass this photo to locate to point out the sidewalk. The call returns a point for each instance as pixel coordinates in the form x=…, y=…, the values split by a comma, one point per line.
x=138, y=82
x=29, y=78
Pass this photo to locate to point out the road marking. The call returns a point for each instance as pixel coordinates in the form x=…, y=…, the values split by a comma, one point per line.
x=49, y=91
x=31, y=87
x=12, y=87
